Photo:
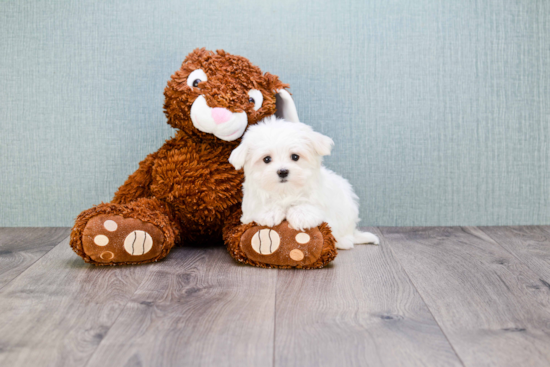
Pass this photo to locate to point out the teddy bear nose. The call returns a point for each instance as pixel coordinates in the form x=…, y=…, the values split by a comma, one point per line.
x=220, y=115
x=282, y=173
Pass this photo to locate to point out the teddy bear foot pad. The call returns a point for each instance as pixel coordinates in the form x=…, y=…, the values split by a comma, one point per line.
x=113, y=239
x=282, y=245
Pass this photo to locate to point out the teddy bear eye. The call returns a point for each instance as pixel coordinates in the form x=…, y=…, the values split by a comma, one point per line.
x=267, y=159
x=196, y=77
x=256, y=97
x=295, y=157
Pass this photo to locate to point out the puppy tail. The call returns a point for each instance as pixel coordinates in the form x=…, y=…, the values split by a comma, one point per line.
x=365, y=237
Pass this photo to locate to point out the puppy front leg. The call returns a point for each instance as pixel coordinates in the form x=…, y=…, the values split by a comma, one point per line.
x=270, y=217
x=304, y=216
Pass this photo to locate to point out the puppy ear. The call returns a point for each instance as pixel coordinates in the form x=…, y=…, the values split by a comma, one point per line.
x=286, y=109
x=238, y=156
x=321, y=143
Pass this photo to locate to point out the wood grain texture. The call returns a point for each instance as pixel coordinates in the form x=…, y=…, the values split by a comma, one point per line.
x=21, y=247
x=530, y=244
x=58, y=311
x=425, y=296
x=489, y=304
x=360, y=311
x=200, y=308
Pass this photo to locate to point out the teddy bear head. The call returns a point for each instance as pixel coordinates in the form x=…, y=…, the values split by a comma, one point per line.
x=218, y=95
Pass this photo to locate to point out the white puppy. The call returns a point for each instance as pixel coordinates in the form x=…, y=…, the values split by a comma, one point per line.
x=284, y=178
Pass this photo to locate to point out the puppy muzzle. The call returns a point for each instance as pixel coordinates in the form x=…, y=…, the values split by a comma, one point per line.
x=283, y=174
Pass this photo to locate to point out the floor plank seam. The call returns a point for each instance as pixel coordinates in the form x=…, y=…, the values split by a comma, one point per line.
x=275, y=318
x=34, y=262
x=545, y=228
x=513, y=255
x=117, y=317
x=421, y=297
x=487, y=285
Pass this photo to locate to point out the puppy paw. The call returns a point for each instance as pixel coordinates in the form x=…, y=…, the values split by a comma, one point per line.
x=304, y=217
x=270, y=218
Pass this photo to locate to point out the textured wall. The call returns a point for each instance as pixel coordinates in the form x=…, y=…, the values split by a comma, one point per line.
x=439, y=109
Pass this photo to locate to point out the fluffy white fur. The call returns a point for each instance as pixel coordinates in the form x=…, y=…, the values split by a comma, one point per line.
x=309, y=195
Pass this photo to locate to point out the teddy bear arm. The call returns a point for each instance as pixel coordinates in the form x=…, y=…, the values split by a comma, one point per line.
x=138, y=184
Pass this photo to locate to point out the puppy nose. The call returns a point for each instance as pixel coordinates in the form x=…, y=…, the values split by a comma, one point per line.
x=282, y=173
x=220, y=115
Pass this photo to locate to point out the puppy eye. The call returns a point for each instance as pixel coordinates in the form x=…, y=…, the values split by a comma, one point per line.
x=196, y=77
x=295, y=157
x=256, y=97
x=267, y=159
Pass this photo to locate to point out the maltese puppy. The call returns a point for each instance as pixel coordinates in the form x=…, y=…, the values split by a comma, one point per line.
x=285, y=179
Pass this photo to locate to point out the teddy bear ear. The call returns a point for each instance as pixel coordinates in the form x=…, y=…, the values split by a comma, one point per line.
x=286, y=109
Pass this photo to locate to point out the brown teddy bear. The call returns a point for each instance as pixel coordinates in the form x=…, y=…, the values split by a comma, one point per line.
x=187, y=192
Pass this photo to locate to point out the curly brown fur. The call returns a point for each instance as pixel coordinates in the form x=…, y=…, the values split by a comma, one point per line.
x=230, y=77
x=189, y=179
x=147, y=210
x=235, y=230
x=190, y=172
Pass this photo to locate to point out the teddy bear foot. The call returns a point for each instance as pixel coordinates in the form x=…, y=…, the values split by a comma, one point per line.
x=284, y=247
x=112, y=239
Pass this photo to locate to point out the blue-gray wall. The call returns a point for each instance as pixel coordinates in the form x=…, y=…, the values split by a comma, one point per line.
x=440, y=110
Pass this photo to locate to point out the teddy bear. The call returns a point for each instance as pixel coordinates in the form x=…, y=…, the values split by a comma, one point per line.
x=187, y=192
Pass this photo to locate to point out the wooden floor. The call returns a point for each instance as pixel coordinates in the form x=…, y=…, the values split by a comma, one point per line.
x=426, y=296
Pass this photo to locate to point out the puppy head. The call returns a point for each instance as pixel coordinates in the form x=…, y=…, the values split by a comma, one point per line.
x=278, y=155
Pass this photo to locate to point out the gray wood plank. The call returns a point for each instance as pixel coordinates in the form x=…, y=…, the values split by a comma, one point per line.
x=198, y=308
x=530, y=244
x=488, y=303
x=58, y=311
x=22, y=247
x=360, y=311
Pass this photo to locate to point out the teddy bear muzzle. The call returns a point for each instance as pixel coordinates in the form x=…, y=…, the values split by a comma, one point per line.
x=222, y=123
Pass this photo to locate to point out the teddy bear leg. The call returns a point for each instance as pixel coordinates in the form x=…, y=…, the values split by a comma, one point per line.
x=280, y=246
x=139, y=232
